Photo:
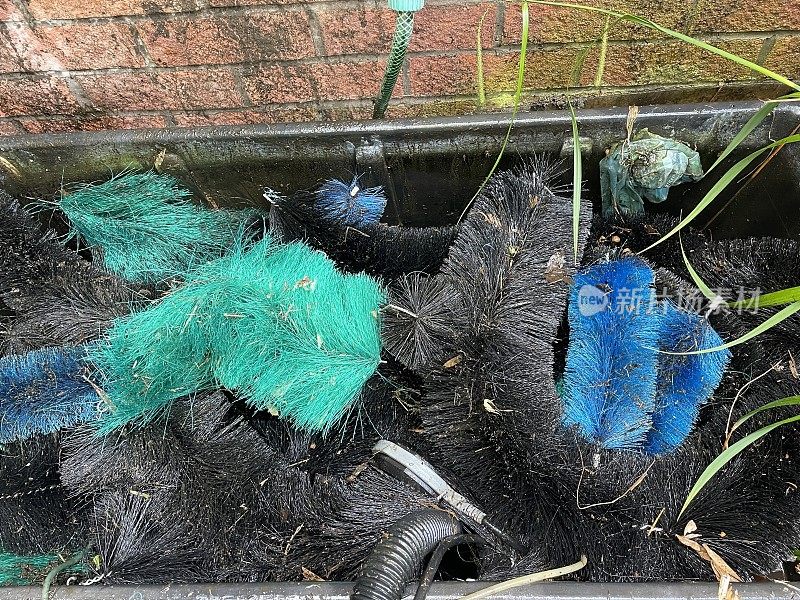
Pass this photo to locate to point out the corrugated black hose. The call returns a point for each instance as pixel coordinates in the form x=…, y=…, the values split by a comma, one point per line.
x=397, y=560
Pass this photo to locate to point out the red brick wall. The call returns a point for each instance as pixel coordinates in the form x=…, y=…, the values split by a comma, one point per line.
x=91, y=64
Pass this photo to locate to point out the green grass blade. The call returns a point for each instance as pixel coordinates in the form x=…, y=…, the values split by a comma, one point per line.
x=479, y=62
x=577, y=178
x=698, y=281
x=778, y=298
x=768, y=324
x=601, y=59
x=517, y=100
x=748, y=127
x=679, y=36
x=788, y=401
x=720, y=185
x=727, y=455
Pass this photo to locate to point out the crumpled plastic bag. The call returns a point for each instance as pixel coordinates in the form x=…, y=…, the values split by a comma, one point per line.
x=645, y=168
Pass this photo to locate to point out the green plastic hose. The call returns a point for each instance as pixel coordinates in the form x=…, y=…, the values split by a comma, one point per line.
x=404, y=26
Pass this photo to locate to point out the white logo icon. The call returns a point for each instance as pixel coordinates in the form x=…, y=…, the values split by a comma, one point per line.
x=591, y=300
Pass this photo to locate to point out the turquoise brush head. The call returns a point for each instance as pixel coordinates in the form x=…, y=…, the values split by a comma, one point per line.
x=24, y=570
x=146, y=228
x=278, y=324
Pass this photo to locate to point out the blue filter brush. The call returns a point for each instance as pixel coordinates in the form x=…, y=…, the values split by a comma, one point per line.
x=44, y=391
x=684, y=381
x=349, y=203
x=610, y=376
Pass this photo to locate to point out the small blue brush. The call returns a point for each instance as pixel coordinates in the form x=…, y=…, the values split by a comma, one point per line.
x=44, y=391
x=684, y=381
x=349, y=204
x=610, y=376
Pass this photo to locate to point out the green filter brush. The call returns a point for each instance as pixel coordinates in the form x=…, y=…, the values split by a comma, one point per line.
x=28, y=570
x=145, y=227
x=278, y=324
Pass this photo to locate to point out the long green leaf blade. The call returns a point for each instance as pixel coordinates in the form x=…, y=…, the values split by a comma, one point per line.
x=768, y=324
x=577, y=179
x=726, y=456
x=772, y=299
x=698, y=281
x=788, y=401
x=479, y=64
x=720, y=185
x=746, y=130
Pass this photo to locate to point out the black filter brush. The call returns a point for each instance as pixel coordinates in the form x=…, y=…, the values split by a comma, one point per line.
x=354, y=515
x=71, y=309
x=141, y=538
x=497, y=385
x=36, y=514
x=57, y=297
x=371, y=247
x=422, y=319
x=29, y=255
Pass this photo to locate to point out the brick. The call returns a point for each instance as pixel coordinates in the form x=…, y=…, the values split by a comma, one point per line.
x=9, y=127
x=246, y=116
x=748, y=16
x=224, y=40
x=75, y=46
x=9, y=61
x=44, y=10
x=457, y=75
x=369, y=31
x=785, y=57
x=670, y=62
x=433, y=108
x=354, y=111
x=229, y=3
x=551, y=24
x=9, y=12
x=36, y=96
x=350, y=80
x=359, y=31
x=453, y=27
x=272, y=84
x=91, y=123
x=186, y=90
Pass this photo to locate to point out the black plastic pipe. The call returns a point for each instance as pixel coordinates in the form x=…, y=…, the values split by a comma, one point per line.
x=397, y=560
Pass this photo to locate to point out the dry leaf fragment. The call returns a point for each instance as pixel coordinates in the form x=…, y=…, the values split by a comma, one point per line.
x=556, y=269
x=159, y=160
x=452, y=362
x=718, y=564
x=309, y=575
x=720, y=567
x=793, y=367
x=725, y=590
x=492, y=219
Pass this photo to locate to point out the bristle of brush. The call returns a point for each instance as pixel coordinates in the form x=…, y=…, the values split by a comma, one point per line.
x=36, y=517
x=146, y=229
x=349, y=204
x=44, y=391
x=279, y=324
x=29, y=254
x=72, y=308
x=25, y=570
x=373, y=248
x=422, y=318
x=610, y=376
x=684, y=382
x=140, y=537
